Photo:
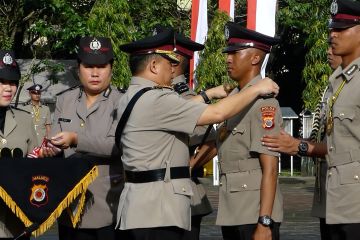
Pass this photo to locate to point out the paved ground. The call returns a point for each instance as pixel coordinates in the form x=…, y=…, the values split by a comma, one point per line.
x=298, y=224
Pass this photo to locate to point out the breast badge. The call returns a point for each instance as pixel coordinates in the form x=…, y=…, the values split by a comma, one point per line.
x=268, y=117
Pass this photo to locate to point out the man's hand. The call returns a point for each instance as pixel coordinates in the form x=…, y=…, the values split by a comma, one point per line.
x=266, y=87
x=283, y=143
x=262, y=233
x=217, y=92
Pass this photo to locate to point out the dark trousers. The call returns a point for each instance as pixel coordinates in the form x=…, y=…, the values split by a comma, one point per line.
x=344, y=231
x=160, y=233
x=194, y=234
x=69, y=233
x=245, y=232
x=324, y=229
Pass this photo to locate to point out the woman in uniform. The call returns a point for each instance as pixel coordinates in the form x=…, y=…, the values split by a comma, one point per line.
x=17, y=135
x=84, y=125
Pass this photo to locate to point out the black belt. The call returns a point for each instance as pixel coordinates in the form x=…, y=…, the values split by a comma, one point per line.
x=156, y=175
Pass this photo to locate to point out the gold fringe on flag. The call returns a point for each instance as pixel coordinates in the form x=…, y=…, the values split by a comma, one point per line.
x=80, y=188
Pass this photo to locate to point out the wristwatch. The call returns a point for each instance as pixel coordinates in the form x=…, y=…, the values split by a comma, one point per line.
x=303, y=147
x=265, y=221
x=205, y=97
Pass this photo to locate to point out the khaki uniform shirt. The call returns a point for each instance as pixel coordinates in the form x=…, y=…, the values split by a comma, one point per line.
x=200, y=204
x=96, y=137
x=40, y=122
x=155, y=137
x=241, y=174
x=18, y=133
x=343, y=178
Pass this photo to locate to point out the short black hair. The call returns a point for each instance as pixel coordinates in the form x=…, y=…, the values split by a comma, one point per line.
x=139, y=62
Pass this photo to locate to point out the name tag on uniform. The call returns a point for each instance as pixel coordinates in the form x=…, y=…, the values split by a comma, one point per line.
x=64, y=120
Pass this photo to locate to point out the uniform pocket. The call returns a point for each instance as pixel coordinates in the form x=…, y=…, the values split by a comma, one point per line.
x=182, y=187
x=349, y=173
x=244, y=181
x=343, y=117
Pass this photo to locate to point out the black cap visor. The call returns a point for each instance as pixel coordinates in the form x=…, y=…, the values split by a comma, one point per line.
x=233, y=48
x=92, y=59
x=342, y=24
x=10, y=75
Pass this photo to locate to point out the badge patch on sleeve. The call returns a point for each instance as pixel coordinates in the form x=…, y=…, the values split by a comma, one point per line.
x=268, y=117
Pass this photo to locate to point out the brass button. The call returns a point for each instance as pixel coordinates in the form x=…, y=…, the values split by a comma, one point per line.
x=244, y=186
x=330, y=173
x=220, y=183
x=82, y=124
x=331, y=148
x=183, y=189
x=3, y=141
x=356, y=177
x=341, y=114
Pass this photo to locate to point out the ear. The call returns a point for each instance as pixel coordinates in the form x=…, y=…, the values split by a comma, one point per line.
x=255, y=59
x=153, y=66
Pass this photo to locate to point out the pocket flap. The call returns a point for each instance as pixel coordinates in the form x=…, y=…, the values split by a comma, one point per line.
x=349, y=173
x=241, y=129
x=244, y=181
x=182, y=186
x=344, y=113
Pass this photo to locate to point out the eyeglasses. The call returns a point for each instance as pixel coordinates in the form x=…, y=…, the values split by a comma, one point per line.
x=35, y=92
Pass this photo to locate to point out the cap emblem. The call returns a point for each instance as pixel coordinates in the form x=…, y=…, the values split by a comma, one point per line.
x=334, y=7
x=95, y=44
x=7, y=59
x=37, y=87
x=227, y=33
x=154, y=32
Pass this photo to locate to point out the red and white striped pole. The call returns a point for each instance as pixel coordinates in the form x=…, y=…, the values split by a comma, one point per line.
x=199, y=29
x=227, y=6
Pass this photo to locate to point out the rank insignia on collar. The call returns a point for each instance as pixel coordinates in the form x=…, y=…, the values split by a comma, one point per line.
x=351, y=70
x=95, y=44
x=39, y=191
x=7, y=59
x=268, y=117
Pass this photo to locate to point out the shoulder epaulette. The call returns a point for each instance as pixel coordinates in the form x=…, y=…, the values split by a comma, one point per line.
x=20, y=109
x=181, y=87
x=162, y=87
x=122, y=90
x=270, y=95
x=68, y=89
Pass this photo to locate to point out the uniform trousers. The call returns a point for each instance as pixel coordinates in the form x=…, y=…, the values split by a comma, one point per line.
x=245, y=232
x=69, y=233
x=194, y=234
x=324, y=229
x=349, y=231
x=159, y=233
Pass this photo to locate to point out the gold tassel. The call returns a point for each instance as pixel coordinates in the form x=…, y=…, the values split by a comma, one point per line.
x=78, y=189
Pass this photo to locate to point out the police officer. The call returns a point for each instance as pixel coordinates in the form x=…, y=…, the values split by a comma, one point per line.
x=250, y=202
x=16, y=132
x=85, y=120
x=40, y=113
x=155, y=202
x=287, y=144
x=200, y=204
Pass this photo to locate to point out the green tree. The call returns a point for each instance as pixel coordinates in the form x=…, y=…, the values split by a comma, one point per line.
x=307, y=21
x=116, y=23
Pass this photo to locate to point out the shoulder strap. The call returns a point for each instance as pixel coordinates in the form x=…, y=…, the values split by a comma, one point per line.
x=125, y=116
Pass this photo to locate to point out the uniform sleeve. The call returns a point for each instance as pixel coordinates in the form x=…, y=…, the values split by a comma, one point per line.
x=173, y=113
x=265, y=119
x=47, y=115
x=55, y=128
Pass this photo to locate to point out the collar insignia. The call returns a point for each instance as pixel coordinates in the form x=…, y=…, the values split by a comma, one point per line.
x=351, y=70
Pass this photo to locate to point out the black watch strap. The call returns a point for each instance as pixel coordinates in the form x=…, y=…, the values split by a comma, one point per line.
x=266, y=221
x=205, y=97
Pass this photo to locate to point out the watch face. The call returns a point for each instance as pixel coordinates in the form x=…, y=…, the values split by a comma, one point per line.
x=303, y=146
x=266, y=221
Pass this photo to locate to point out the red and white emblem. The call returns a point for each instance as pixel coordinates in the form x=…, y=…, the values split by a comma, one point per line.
x=39, y=191
x=268, y=117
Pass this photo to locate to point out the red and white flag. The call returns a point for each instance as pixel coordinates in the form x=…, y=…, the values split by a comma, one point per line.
x=261, y=18
x=227, y=6
x=199, y=29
